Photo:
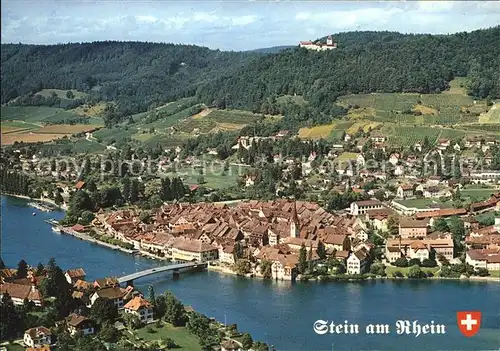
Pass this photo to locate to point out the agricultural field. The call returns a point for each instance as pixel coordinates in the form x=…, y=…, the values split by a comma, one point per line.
x=29, y=137
x=212, y=174
x=90, y=110
x=492, y=116
x=448, y=108
x=66, y=129
x=365, y=126
x=316, y=132
x=62, y=93
x=233, y=116
x=476, y=193
x=339, y=129
x=409, y=135
x=423, y=203
x=348, y=156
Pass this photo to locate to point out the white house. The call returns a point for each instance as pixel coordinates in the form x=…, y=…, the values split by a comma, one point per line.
x=360, y=160
x=488, y=258
x=360, y=207
x=38, y=336
x=356, y=263
x=76, y=323
x=141, y=308
x=394, y=159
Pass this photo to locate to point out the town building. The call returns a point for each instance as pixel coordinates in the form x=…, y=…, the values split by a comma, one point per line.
x=357, y=261
x=141, y=308
x=405, y=191
x=412, y=229
x=317, y=46
x=361, y=207
x=76, y=323
x=487, y=258
x=37, y=337
x=115, y=294
x=19, y=292
x=194, y=250
x=73, y=275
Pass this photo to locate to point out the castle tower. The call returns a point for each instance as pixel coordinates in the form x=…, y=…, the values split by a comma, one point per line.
x=294, y=222
x=329, y=40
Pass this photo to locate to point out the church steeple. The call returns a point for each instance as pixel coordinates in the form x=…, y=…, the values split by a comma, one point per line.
x=294, y=222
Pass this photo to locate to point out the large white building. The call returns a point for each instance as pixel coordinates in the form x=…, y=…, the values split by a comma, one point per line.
x=330, y=44
x=141, y=308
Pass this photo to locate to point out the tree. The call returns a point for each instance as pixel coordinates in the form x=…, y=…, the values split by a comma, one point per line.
x=321, y=251
x=40, y=269
x=310, y=258
x=198, y=324
x=58, y=199
x=132, y=321
x=457, y=230
x=238, y=250
x=11, y=323
x=108, y=332
x=126, y=188
x=155, y=201
x=69, y=94
x=397, y=274
x=415, y=272
x=440, y=225
x=266, y=269
x=246, y=341
x=260, y=346
x=86, y=218
x=378, y=269
x=242, y=266
x=103, y=311
x=302, y=259
x=414, y=262
x=22, y=269
x=401, y=262
x=174, y=311
x=200, y=179
x=428, y=263
x=482, y=272
x=134, y=191
x=393, y=225
x=151, y=296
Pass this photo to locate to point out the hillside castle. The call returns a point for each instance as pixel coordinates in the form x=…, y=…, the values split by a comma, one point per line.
x=330, y=44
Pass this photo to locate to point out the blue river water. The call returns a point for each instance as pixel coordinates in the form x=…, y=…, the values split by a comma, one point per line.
x=280, y=313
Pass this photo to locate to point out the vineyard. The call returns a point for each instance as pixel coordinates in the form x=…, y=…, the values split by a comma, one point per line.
x=233, y=116
x=409, y=135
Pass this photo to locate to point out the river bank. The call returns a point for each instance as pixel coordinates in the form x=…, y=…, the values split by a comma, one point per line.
x=40, y=199
x=276, y=312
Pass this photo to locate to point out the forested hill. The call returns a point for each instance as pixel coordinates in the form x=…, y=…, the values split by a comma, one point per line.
x=137, y=75
x=365, y=62
x=134, y=74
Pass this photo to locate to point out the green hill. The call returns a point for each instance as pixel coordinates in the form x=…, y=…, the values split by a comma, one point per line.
x=138, y=77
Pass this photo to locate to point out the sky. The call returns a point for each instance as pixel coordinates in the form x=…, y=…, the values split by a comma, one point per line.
x=231, y=25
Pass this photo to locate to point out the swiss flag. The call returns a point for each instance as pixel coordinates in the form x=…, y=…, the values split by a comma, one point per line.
x=469, y=322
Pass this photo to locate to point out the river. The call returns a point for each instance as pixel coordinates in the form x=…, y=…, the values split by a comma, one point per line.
x=279, y=313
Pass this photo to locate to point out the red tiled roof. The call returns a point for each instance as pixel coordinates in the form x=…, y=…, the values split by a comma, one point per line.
x=80, y=184
x=138, y=303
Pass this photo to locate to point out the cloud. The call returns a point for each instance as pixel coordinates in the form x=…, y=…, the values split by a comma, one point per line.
x=232, y=26
x=243, y=20
x=436, y=6
x=146, y=19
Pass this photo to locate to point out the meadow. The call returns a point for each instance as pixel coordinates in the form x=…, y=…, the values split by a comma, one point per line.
x=212, y=174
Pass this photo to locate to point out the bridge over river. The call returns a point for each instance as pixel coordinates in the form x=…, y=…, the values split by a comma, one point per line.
x=175, y=268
